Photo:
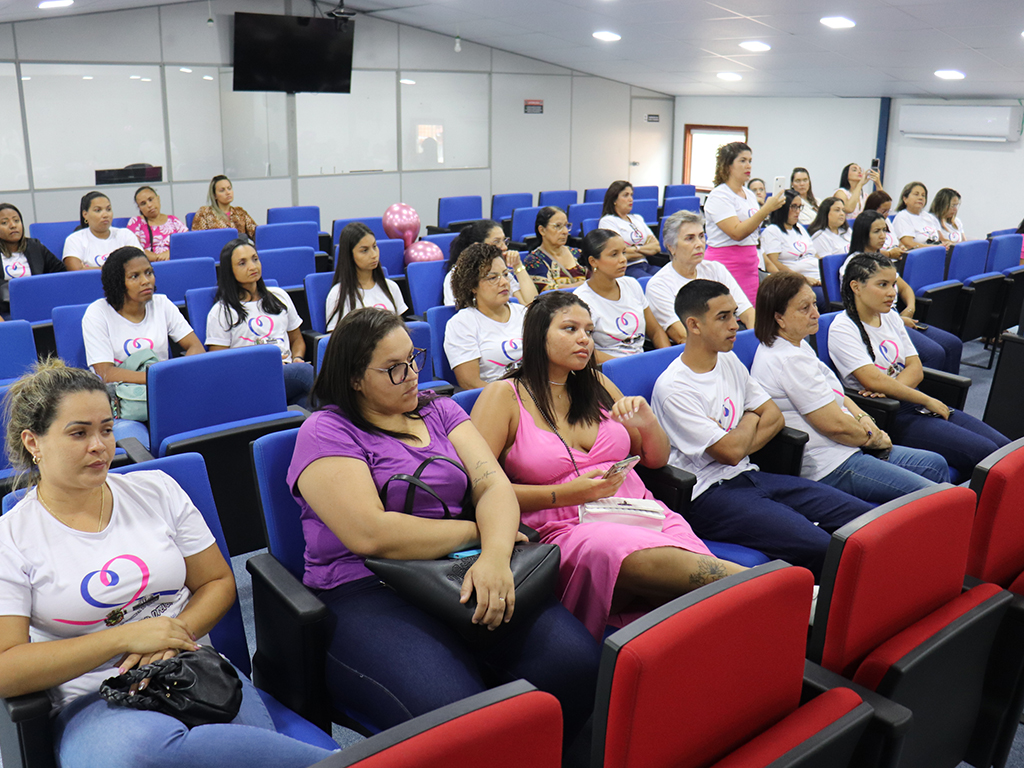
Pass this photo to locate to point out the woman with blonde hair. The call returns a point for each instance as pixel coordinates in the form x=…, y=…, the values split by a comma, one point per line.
x=219, y=213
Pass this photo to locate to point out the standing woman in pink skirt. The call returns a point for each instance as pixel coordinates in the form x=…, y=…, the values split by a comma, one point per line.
x=733, y=215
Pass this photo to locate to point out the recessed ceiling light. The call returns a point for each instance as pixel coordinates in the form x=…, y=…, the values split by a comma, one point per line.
x=135, y=77
x=755, y=46
x=838, y=22
x=608, y=37
x=87, y=77
x=25, y=77
x=207, y=77
x=730, y=76
x=949, y=74
x=47, y=4
x=407, y=82
x=186, y=70
x=147, y=79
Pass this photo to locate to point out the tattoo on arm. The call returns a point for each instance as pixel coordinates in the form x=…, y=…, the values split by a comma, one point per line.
x=552, y=498
x=483, y=477
x=709, y=569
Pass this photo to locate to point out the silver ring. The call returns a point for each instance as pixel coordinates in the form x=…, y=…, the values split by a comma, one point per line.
x=502, y=599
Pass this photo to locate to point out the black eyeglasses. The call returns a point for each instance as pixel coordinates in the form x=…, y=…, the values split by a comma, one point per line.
x=399, y=372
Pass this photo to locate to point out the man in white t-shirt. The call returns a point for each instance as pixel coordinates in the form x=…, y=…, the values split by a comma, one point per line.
x=715, y=416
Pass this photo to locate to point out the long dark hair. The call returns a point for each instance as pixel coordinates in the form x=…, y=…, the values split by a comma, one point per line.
x=611, y=195
x=227, y=289
x=861, y=267
x=594, y=243
x=87, y=199
x=112, y=274
x=345, y=269
x=875, y=199
x=23, y=243
x=476, y=232
x=862, y=230
x=346, y=359
x=821, y=218
x=145, y=221
x=809, y=197
x=844, y=177
x=780, y=216
x=588, y=399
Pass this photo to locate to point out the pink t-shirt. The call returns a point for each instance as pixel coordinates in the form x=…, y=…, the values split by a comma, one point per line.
x=156, y=239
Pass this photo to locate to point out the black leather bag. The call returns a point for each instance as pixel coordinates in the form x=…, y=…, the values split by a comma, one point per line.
x=434, y=586
x=196, y=687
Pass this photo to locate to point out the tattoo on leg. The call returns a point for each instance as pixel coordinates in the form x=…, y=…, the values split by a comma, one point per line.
x=708, y=570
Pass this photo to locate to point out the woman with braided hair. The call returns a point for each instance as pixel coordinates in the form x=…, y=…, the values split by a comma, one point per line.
x=872, y=352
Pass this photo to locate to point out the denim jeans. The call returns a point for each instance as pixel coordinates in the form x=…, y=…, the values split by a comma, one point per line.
x=640, y=269
x=298, y=380
x=878, y=481
x=962, y=441
x=937, y=348
x=89, y=733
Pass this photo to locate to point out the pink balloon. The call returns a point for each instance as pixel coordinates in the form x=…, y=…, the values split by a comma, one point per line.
x=423, y=251
x=402, y=222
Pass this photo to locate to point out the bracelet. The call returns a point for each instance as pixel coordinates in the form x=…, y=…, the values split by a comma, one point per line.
x=860, y=416
x=520, y=268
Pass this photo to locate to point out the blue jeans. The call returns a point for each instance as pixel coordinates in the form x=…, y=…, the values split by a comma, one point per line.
x=878, y=481
x=89, y=733
x=640, y=269
x=298, y=380
x=937, y=348
x=390, y=661
x=962, y=441
x=789, y=518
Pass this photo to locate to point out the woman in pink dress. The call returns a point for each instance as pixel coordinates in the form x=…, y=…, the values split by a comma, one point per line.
x=557, y=424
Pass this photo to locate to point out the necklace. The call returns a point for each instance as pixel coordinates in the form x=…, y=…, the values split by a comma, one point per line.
x=99, y=524
x=557, y=383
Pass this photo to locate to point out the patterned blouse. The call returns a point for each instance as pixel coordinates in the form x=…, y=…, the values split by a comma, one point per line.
x=548, y=273
x=156, y=239
x=236, y=217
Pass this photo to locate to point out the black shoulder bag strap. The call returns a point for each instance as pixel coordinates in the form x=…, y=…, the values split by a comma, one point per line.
x=415, y=482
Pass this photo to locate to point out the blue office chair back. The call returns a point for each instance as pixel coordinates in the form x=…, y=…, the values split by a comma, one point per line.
x=294, y=233
x=288, y=266
x=674, y=204
x=1001, y=232
x=580, y=211
x=679, y=190
x=830, y=277
x=188, y=219
x=17, y=349
x=67, y=333
x=925, y=266
x=52, y=234
x=560, y=198
x=189, y=471
x=967, y=260
x=645, y=193
x=271, y=455
x=392, y=256
x=175, y=278
x=318, y=285
x=821, y=338
x=190, y=393
x=746, y=347
x=594, y=195
x=589, y=225
x=426, y=284
x=34, y=297
x=459, y=208
x=647, y=209
x=292, y=213
x=467, y=398
x=442, y=241
x=636, y=374
x=201, y=243
x=503, y=205
x=643, y=282
x=437, y=319
x=120, y=221
x=1004, y=252
x=524, y=223
x=375, y=223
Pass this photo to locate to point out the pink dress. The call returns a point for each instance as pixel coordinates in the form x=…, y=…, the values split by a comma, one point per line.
x=592, y=553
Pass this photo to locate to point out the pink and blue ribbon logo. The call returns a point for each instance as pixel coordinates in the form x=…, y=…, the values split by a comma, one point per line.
x=16, y=269
x=94, y=583
x=728, y=415
x=137, y=344
x=511, y=350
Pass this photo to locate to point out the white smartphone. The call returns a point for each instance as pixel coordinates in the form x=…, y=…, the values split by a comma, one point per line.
x=621, y=467
x=780, y=186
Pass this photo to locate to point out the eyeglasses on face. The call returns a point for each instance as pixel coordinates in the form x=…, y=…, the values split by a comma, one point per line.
x=399, y=372
x=494, y=277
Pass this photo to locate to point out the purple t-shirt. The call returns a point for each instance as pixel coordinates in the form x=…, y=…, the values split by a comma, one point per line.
x=328, y=433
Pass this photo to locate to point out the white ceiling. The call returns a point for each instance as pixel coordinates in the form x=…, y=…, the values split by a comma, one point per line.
x=679, y=46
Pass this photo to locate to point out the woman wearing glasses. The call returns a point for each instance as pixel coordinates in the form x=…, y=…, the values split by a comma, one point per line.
x=387, y=659
x=617, y=215
x=553, y=264
x=490, y=232
x=486, y=333
x=786, y=244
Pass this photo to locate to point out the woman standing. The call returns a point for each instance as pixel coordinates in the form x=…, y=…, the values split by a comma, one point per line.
x=853, y=190
x=733, y=216
x=21, y=256
x=359, y=279
x=800, y=180
x=553, y=264
x=219, y=213
x=617, y=215
x=830, y=231
x=89, y=245
x=153, y=227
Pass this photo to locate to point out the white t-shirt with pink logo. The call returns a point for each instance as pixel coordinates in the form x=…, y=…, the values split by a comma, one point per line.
x=258, y=327
x=14, y=266
x=619, y=326
x=697, y=410
x=471, y=335
x=722, y=204
x=889, y=341
x=954, y=233
x=112, y=338
x=920, y=226
x=92, y=251
x=374, y=297
x=794, y=247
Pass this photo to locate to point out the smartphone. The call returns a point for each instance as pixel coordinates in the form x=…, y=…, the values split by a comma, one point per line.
x=621, y=467
x=874, y=164
x=923, y=327
x=463, y=553
x=779, y=186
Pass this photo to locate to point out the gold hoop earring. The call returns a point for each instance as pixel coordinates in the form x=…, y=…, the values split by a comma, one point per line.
x=35, y=459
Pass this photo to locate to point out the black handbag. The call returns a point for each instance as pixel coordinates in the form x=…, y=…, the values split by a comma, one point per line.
x=435, y=585
x=196, y=687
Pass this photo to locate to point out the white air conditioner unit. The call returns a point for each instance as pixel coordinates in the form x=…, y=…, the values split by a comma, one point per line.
x=921, y=121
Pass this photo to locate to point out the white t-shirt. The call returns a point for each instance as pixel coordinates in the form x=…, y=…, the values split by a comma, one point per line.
x=794, y=247
x=864, y=193
x=258, y=326
x=697, y=410
x=449, y=297
x=16, y=265
x=719, y=206
x=618, y=325
x=808, y=213
x=827, y=243
x=71, y=583
x=92, y=251
x=890, y=342
x=374, y=297
x=800, y=383
x=954, y=234
x=664, y=285
x=112, y=338
x=471, y=335
x=921, y=226
x=634, y=231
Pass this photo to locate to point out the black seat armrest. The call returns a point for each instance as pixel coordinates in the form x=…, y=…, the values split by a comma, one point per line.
x=670, y=485
x=25, y=735
x=136, y=451
x=784, y=453
x=882, y=410
x=950, y=388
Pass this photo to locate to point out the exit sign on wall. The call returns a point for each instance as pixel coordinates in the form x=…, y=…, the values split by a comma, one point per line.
x=533, y=106
x=653, y=118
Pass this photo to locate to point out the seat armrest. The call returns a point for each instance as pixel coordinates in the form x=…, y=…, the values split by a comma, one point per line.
x=784, y=453
x=882, y=410
x=25, y=734
x=299, y=409
x=669, y=484
x=136, y=451
x=947, y=387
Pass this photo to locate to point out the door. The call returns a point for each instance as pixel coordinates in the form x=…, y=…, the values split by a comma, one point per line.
x=650, y=142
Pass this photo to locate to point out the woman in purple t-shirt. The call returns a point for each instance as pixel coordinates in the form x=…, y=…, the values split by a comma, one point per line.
x=388, y=659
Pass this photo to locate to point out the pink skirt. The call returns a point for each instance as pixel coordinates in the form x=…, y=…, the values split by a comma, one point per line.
x=741, y=261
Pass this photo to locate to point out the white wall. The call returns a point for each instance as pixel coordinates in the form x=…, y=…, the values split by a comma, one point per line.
x=822, y=135
x=987, y=175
